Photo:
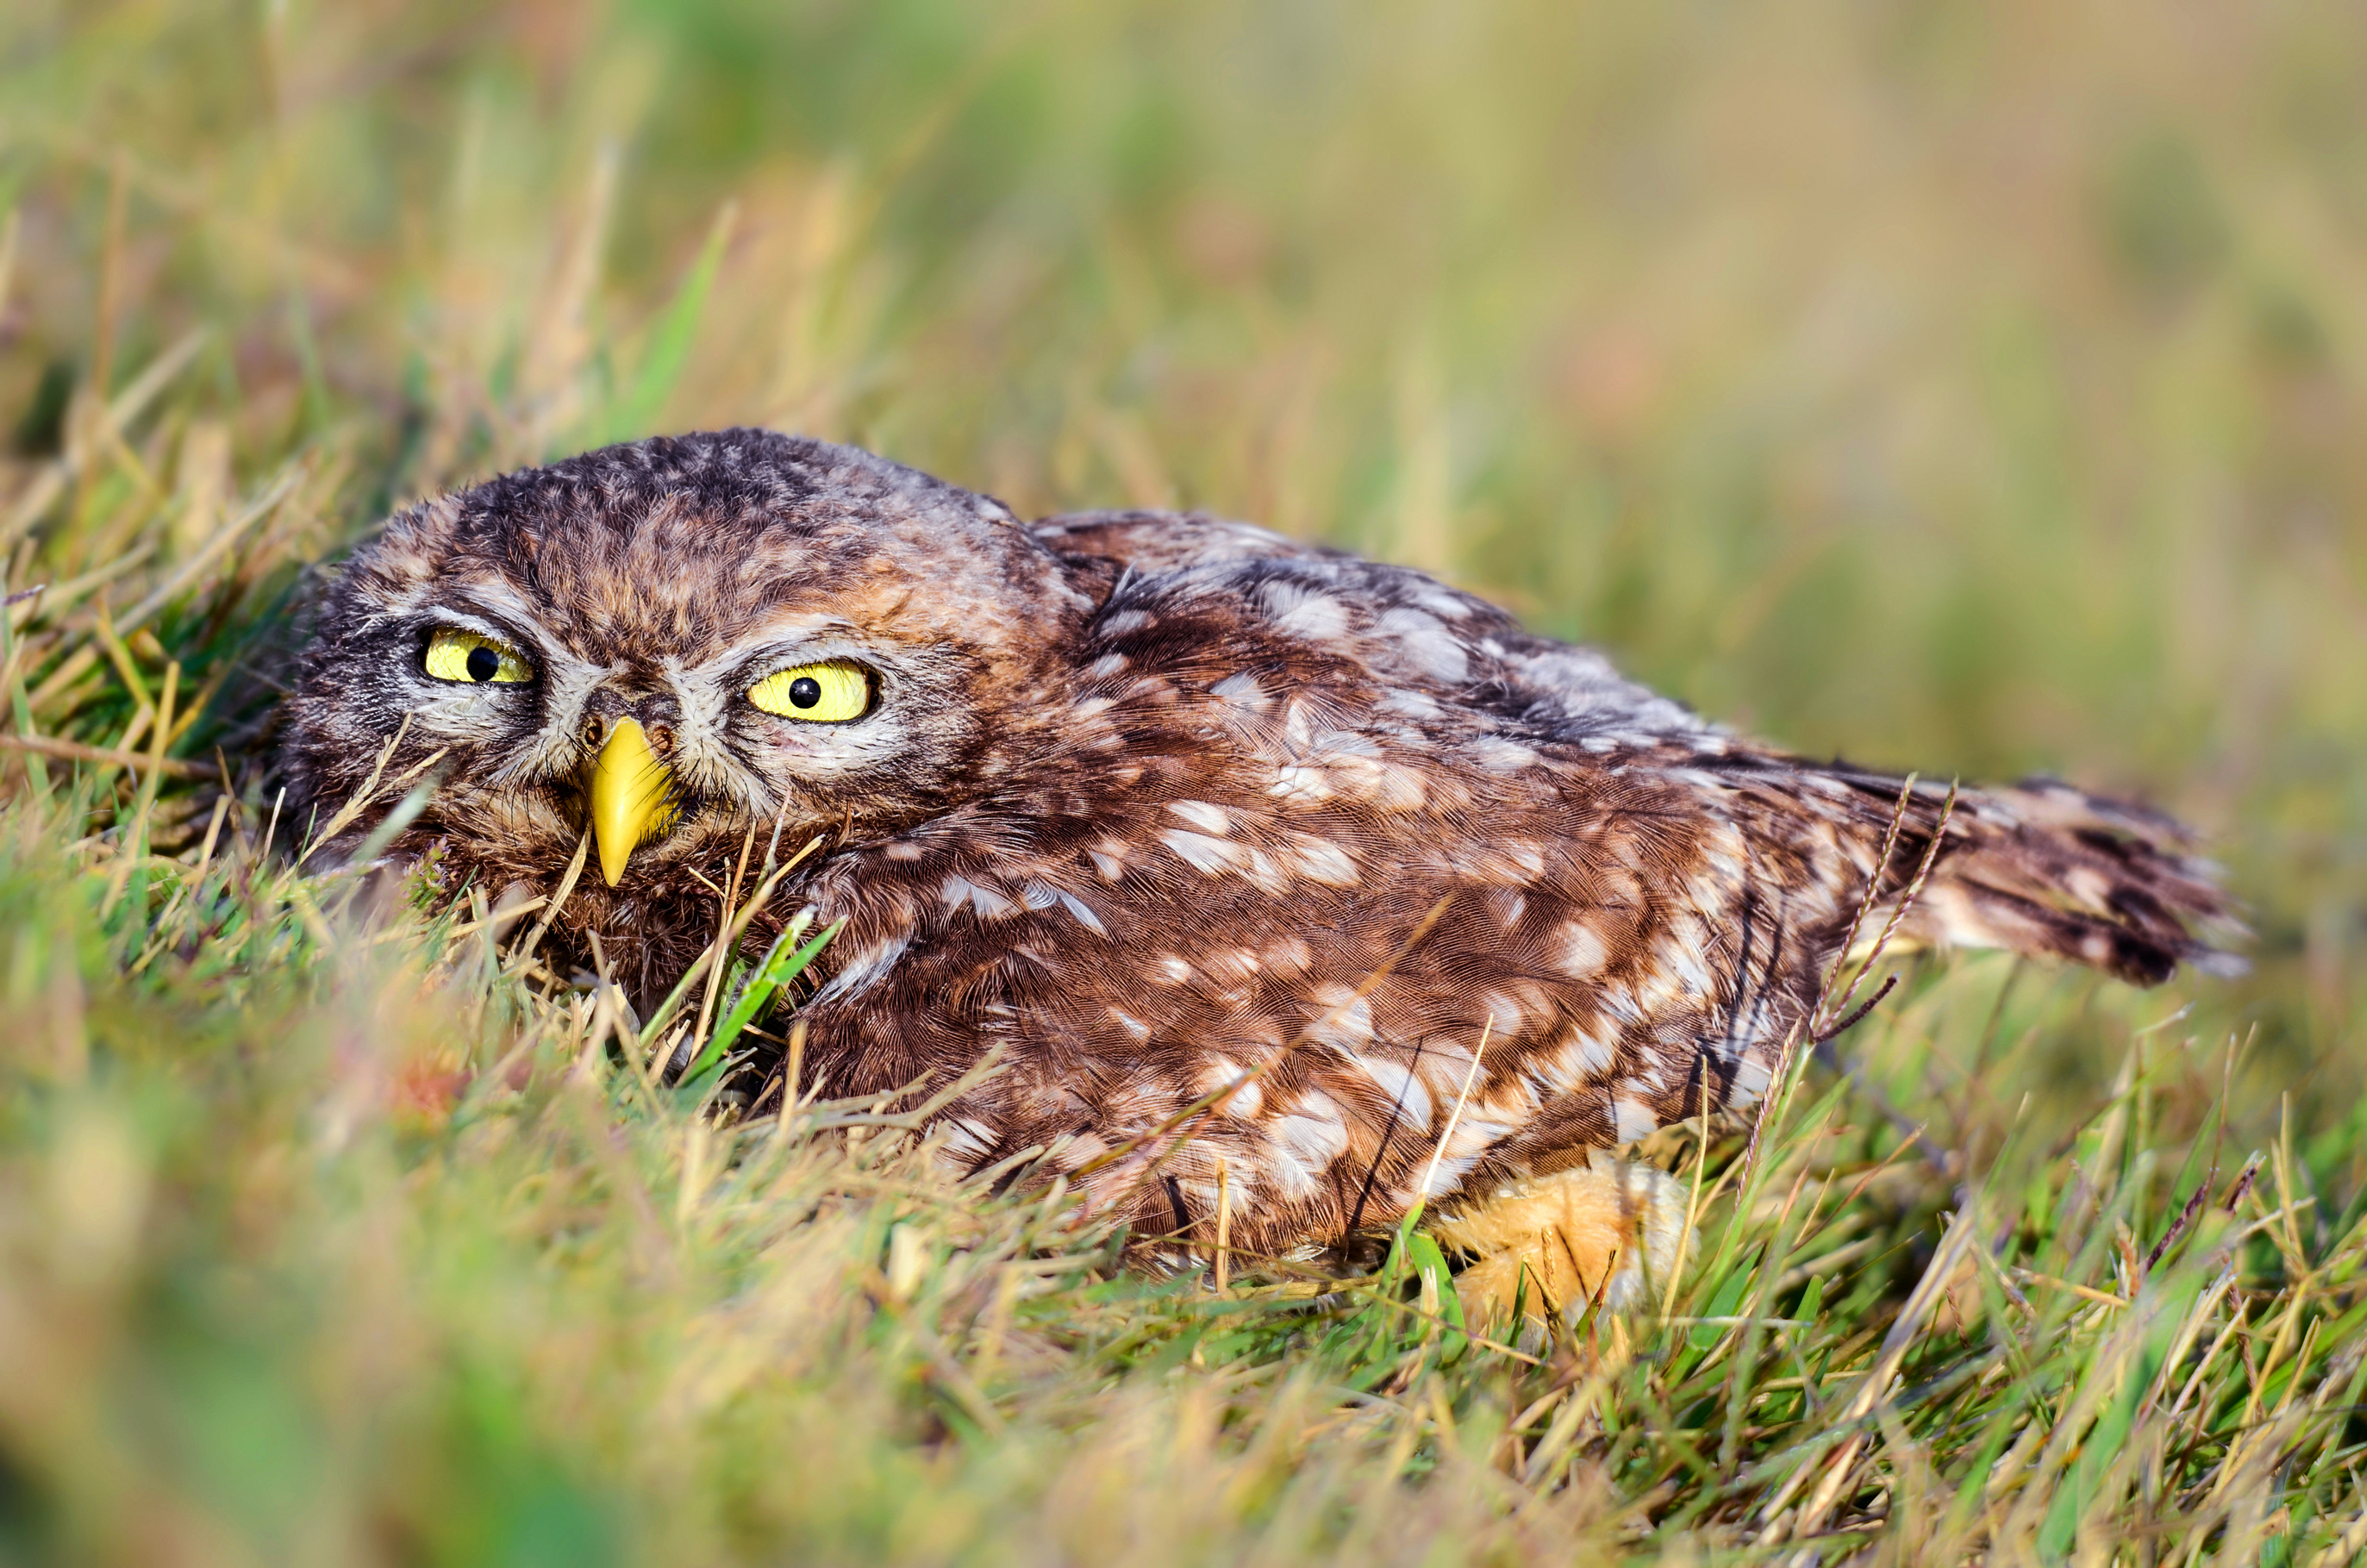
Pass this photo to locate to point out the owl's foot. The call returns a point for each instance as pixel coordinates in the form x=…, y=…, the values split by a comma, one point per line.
x=1606, y=1232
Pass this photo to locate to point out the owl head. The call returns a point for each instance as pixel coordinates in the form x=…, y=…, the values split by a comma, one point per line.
x=670, y=644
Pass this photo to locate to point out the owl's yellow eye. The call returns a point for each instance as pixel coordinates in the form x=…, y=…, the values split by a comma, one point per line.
x=824, y=694
x=472, y=657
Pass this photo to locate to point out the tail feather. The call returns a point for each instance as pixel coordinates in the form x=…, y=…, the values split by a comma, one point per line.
x=2042, y=867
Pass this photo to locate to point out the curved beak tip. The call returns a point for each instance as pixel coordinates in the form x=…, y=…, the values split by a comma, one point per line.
x=612, y=855
x=632, y=797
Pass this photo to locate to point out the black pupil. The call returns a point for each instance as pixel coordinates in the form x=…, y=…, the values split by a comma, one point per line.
x=804, y=691
x=483, y=663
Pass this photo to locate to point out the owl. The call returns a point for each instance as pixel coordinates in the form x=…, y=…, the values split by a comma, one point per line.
x=1277, y=886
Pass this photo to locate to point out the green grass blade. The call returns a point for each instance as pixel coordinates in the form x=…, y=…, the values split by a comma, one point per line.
x=780, y=967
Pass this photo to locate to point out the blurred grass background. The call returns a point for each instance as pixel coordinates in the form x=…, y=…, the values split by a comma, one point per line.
x=1974, y=388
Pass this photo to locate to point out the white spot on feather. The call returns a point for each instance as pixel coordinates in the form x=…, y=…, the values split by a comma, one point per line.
x=1307, y=784
x=1269, y=877
x=1073, y=1149
x=1426, y=645
x=1203, y=815
x=1291, y=1179
x=988, y=904
x=1474, y=1136
x=1318, y=618
x=1448, y=1175
x=1313, y=1131
x=967, y=1140
x=1242, y=689
x=1235, y=964
x=1441, y=601
x=1297, y=727
x=1581, y=950
x=1346, y=1020
x=1502, y=756
x=1593, y=1054
x=1288, y=955
x=865, y=968
x=1402, y=1088
x=1408, y=704
x=1209, y=854
x=1325, y=862
x=1383, y=784
x=1632, y=1121
x=1221, y=1073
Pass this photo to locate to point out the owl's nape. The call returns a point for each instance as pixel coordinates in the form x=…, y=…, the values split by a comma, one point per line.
x=1157, y=804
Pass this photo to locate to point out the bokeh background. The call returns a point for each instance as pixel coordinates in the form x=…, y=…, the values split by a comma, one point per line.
x=1969, y=387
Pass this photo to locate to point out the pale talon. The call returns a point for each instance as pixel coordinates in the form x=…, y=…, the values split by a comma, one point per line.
x=1598, y=1233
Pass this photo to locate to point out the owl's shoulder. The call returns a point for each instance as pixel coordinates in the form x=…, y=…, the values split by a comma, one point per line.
x=1150, y=542
x=1202, y=588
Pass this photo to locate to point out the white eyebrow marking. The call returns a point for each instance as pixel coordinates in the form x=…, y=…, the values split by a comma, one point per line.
x=790, y=628
x=452, y=615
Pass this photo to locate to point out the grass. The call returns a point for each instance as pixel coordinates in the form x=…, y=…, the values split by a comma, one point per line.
x=1971, y=391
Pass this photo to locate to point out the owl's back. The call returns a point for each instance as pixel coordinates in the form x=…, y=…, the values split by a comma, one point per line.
x=1320, y=826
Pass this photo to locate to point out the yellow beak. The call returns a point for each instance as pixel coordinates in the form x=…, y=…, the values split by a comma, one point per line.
x=632, y=797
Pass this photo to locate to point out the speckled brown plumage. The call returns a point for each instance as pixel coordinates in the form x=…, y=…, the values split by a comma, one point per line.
x=1149, y=798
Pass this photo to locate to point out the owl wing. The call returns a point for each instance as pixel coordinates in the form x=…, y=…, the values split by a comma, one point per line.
x=1401, y=623
x=2038, y=867
x=1328, y=846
